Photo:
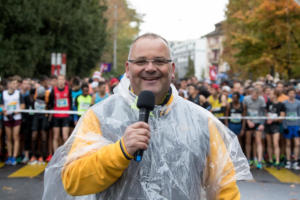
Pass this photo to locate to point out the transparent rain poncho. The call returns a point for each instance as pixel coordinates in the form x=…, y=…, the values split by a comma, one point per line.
x=191, y=154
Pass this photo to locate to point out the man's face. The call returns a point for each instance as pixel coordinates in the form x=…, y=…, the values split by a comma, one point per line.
x=150, y=76
x=213, y=91
x=61, y=81
x=25, y=85
x=279, y=88
x=183, y=84
x=191, y=90
x=292, y=94
x=101, y=88
x=236, y=87
x=85, y=90
x=254, y=95
x=53, y=82
x=13, y=85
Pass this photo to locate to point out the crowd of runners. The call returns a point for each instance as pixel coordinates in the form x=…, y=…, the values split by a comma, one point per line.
x=264, y=114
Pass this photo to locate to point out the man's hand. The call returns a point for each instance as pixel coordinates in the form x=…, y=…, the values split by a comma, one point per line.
x=250, y=124
x=136, y=136
x=261, y=127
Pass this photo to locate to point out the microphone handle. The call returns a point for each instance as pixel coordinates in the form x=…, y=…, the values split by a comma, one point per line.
x=143, y=116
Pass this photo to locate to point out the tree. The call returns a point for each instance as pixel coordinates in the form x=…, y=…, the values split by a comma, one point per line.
x=128, y=26
x=31, y=30
x=191, y=68
x=262, y=36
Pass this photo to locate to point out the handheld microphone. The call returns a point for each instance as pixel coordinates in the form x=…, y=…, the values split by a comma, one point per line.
x=145, y=103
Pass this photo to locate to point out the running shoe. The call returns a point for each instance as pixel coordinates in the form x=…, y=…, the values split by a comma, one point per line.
x=288, y=164
x=8, y=161
x=259, y=165
x=269, y=163
x=19, y=159
x=277, y=165
x=295, y=166
x=13, y=161
x=49, y=158
x=25, y=160
x=33, y=161
x=41, y=161
x=250, y=162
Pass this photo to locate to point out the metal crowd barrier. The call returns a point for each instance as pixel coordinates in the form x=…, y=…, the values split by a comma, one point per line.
x=71, y=112
x=77, y=112
x=261, y=117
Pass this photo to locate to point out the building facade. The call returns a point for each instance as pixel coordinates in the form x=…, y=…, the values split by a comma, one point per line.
x=193, y=51
x=215, y=49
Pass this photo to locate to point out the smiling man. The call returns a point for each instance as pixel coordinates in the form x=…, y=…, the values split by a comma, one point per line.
x=186, y=148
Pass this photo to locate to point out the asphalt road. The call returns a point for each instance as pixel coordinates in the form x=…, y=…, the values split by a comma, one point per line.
x=264, y=187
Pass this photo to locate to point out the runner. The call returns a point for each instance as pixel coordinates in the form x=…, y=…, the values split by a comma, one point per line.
x=60, y=100
x=292, y=130
x=12, y=101
x=39, y=127
x=83, y=101
x=236, y=109
x=255, y=106
x=272, y=127
x=101, y=94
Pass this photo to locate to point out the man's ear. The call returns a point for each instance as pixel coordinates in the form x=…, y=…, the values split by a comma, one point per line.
x=127, y=69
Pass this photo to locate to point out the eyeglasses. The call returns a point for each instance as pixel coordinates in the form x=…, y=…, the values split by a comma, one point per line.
x=155, y=62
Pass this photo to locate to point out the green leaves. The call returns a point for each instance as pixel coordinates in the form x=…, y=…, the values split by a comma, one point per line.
x=31, y=30
x=262, y=35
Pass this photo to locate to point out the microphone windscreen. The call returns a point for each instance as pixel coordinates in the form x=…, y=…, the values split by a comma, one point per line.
x=146, y=100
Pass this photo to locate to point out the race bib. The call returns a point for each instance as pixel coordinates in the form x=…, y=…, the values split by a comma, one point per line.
x=253, y=113
x=292, y=114
x=60, y=103
x=236, y=118
x=216, y=109
x=39, y=105
x=84, y=106
x=272, y=115
x=11, y=107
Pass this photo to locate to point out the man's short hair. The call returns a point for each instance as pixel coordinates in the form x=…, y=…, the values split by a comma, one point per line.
x=100, y=83
x=291, y=89
x=149, y=36
x=84, y=85
x=53, y=77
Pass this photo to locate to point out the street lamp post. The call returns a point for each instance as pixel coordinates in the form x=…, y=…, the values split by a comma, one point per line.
x=115, y=37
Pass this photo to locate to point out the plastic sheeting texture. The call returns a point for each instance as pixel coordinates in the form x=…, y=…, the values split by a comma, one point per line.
x=176, y=164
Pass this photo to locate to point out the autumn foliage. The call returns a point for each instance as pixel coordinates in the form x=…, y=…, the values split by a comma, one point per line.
x=261, y=37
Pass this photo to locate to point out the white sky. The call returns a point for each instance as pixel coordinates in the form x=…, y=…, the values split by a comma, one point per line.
x=180, y=19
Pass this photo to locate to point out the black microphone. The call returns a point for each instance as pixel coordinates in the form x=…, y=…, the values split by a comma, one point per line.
x=145, y=103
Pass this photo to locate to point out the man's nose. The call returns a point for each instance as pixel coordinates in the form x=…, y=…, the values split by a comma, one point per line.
x=150, y=67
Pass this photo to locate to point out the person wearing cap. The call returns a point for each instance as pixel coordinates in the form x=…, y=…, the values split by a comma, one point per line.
x=186, y=149
x=218, y=100
x=112, y=84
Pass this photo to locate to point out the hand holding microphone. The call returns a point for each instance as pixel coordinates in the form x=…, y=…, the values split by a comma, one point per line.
x=137, y=136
